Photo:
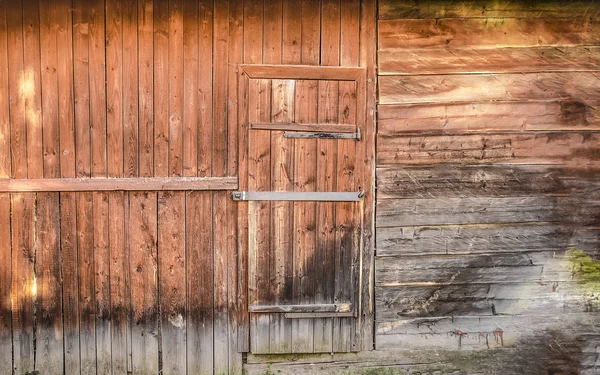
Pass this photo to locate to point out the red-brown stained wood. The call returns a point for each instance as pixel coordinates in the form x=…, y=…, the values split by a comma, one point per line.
x=145, y=70
x=69, y=252
x=200, y=274
x=392, y=9
x=81, y=88
x=97, y=74
x=487, y=32
x=86, y=282
x=191, y=32
x=220, y=319
x=5, y=285
x=494, y=60
x=31, y=89
x=487, y=117
x=205, y=89
x=114, y=88
x=119, y=276
x=64, y=44
x=142, y=242
x=175, y=98
x=101, y=269
x=23, y=280
x=171, y=278
x=575, y=149
x=161, y=88
x=5, y=132
x=579, y=87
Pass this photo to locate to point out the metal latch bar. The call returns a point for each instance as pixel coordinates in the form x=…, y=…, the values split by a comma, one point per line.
x=311, y=196
x=323, y=135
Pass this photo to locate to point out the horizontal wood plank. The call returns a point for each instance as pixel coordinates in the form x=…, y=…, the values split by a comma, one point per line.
x=292, y=126
x=303, y=72
x=394, y=61
x=118, y=184
x=487, y=117
x=394, y=9
x=578, y=87
x=487, y=32
x=575, y=149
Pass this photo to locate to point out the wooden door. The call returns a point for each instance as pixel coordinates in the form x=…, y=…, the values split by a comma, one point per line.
x=300, y=127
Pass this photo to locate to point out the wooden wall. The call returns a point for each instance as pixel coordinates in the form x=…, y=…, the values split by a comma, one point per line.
x=141, y=281
x=487, y=171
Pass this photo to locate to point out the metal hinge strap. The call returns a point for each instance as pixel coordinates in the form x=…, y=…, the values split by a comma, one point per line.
x=334, y=196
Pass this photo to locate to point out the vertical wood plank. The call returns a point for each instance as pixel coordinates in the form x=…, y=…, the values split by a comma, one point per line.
x=6, y=366
x=219, y=168
x=87, y=311
x=172, y=289
x=292, y=32
x=31, y=87
x=199, y=245
x=97, y=100
x=130, y=94
x=175, y=97
x=118, y=281
x=23, y=284
x=161, y=88
x=190, y=87
x=114, y=87
x=102, y=282
x=145, y=35
x=205, y=89
x=5, y=221
x=81, y=36
x=142, y=241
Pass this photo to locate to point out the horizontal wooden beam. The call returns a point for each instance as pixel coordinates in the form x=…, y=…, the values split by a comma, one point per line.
x=118, y=184
x=334, y=73
x=292, y=126
x=314, y=308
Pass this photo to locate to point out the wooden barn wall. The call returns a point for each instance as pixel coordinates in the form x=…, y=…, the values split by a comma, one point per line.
x=488, y=159
x=141, y=282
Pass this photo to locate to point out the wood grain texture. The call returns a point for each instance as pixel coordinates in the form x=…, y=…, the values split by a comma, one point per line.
x=488, y=116
x=580, y=86
x=393, y=9
x=5, y=286
x=487, y=32
x=493, y=60
x=564, y=148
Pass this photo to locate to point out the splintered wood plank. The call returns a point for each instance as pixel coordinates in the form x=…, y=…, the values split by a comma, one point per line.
x=119, y=280
x=259, y=171
x=66, y=104
x=366, y=156
x=49, y=84
x=69, y=258
x=190, y=87
x=238, y=319
x=81, y=85
x=6, y=366
x=576, y=86
x=304, y=219
x=172, y=289
x=101, y=267
x=205, y=87
x=577, y=149
x=114, y=88
x=31, y=88
x=97, y=80
x=175, y=97
x=145, y=69
x=483, y=117
x=142, y=241
x=393, y=9
x=496, y=60
x=86, y=276
x=487, y=32
x=282, y=179
x=219, y=168
x=24, y=288
x=49, y=355
x=199, y=309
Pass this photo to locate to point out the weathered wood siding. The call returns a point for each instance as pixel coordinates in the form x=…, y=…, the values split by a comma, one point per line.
x=488, y=151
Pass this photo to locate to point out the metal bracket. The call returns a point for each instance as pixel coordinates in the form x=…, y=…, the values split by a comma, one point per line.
x=310, y=196
x=323, y=135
